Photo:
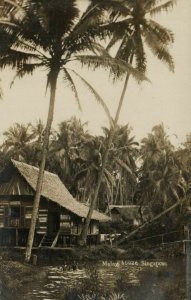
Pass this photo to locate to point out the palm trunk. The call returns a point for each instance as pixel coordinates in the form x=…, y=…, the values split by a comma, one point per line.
x=120, y=193
x=83, y=236
x=117, y=191
x=149, y=222
x=30, y=240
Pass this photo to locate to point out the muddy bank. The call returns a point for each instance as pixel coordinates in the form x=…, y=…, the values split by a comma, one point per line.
x=91, y=255
x=15, y=275
x=47, y=256
x=19, y=278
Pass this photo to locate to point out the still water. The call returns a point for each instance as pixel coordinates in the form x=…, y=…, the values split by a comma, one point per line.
x=131, y=280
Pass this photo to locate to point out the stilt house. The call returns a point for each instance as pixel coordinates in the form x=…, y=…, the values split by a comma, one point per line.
x=60, y=217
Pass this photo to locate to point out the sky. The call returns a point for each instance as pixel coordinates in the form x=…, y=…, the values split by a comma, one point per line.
x=166, y=99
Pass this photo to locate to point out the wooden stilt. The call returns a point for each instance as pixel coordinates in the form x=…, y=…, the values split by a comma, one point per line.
x=17, y=236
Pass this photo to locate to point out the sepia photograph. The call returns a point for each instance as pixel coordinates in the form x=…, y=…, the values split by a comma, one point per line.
x=95, y=150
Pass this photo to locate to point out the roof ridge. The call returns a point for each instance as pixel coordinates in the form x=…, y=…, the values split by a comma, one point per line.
x=15, y=162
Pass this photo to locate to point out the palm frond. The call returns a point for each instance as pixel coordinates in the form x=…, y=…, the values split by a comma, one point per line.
x=109, y=177
x=157, y=31
x=9, y=7
x=119, y=67
x=69, y=80
x=99, y=49
x=112, y=42
x=117, y=8
x=56, y=17
x=125, y=49
x=96, y=95
x=163, y=7
x=7, y=22
x=160, y=51
x=139, y=52
x=109, y=188
x=48, y=81
x=93, y=16
x=150, y=4
x=16, y=59
x=124, y=165
x=118, y=28
x=127, y=168
x=26, y=69
x=80, y=40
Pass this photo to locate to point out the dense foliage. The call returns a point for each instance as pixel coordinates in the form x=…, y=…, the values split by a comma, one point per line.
x=50, y=35
x=152, y=173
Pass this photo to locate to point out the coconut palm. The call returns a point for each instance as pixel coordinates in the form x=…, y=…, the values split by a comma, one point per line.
x=49, y=35
x=133, y=26
x=17, y=138
x=183, y=154
x=161, y=179
x=65, y=150
x=162, y=185
x=125, y=153
x=121, y=162
x=46, y=34
x=38, y=130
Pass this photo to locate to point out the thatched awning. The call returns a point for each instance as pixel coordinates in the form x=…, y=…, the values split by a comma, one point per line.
x=54, y=190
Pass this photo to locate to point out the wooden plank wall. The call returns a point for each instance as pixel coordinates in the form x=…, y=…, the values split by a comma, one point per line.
x=25, y=215
x=42, y=220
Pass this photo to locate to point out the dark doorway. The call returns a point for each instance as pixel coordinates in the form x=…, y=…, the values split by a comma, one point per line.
x=53, y=223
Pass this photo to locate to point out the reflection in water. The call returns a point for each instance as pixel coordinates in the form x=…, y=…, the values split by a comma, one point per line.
x=136, y=281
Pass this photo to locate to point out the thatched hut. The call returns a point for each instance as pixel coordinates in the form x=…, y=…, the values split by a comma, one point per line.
x=60, y=217
x=133, y=214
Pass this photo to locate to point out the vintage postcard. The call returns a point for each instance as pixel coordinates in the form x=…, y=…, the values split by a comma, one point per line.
x=95, y=150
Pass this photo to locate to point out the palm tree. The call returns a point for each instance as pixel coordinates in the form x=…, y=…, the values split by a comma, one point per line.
x=131, y=23
x=160, y=179
x=39, y=37
x=17, y=138
x=162, y=184
x=121, y=162
x=65, y=150
x=125, y=153
x=23, y=142
x=38, y=130
x=50, y=35
x=183, y=154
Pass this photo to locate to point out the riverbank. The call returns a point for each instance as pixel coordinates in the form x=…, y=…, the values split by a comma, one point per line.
x=18, y=278
x=47, y=255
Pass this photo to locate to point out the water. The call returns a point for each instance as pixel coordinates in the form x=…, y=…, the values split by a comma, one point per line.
x=135, y=279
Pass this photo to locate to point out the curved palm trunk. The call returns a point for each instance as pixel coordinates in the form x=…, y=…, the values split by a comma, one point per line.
x=53, y=82
x=83, y=236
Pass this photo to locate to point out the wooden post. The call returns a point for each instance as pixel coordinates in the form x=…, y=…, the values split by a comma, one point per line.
x=34, y=260
x=17, y=236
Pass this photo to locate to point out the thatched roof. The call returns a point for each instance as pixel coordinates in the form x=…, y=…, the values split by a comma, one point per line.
x=130, y=212
x=54, y=190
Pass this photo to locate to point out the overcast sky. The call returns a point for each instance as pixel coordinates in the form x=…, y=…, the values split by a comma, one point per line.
x=167, y=99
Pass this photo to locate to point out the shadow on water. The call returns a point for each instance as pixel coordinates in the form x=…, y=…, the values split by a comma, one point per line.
x=109, y=281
